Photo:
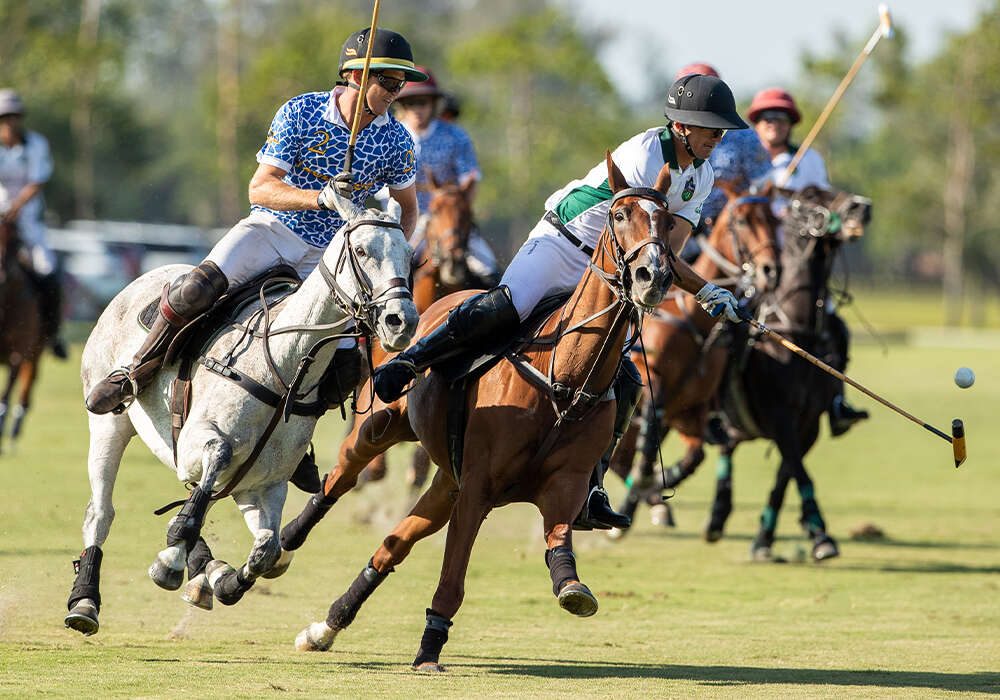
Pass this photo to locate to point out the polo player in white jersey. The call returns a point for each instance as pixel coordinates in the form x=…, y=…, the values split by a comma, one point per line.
x=699, y=110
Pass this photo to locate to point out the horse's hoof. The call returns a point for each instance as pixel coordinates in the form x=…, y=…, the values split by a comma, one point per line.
x=280, y=566
x=318, y=636
x=713, y=534
x=577, y=599
x=430, y=667
x=825, y=547
x=198, y=592
x=616, y=533
x=761, y=553
x=661, y=515
x=83, y=617
x=164, y=576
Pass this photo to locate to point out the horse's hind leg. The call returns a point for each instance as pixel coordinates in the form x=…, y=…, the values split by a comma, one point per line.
x=722, y=504
x=428, y=516
x=5, y=401
x=167, y=570
x=198, y=591
x=262, y=513
x=369, y=438
x=109, y=435
x=26, y=379
x=419, y=469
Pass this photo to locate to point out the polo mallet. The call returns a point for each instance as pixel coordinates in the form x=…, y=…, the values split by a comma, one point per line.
x=884, y=30
x=957, y=437
x=356, y=121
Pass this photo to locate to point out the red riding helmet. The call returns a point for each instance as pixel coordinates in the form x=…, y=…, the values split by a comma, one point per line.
x=697, y=69
x=773, y=98
x=427, y=88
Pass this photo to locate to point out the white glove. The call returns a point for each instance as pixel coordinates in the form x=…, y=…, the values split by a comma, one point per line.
x=716, y=301
x=340, y=185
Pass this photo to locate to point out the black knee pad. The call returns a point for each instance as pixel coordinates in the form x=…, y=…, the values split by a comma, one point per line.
x=197, y=291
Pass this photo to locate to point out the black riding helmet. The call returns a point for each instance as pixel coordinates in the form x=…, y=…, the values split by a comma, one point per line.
x=390, y=51
x=703, y=100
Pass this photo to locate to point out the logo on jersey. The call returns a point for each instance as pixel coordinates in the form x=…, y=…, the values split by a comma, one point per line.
x=688, y=192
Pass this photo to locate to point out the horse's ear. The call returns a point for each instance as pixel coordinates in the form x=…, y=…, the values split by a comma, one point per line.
x=663, y=180
x=616, y=181
x=728, y=188
x=431, y=182
x=466, y=187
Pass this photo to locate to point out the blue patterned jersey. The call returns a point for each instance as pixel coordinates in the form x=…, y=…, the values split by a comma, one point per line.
x=308, y=140
x=739, y=158
x=447, y=150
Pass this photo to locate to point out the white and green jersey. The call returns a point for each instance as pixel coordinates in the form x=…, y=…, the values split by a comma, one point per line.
x=582, y=205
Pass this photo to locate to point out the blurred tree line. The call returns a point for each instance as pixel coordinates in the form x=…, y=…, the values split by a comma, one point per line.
x=156, y=110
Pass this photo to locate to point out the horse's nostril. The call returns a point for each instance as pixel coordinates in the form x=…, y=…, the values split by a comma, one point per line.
x=393, y=320
x=643, y=276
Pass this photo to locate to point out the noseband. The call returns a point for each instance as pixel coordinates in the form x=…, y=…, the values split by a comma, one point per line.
x=370, y=301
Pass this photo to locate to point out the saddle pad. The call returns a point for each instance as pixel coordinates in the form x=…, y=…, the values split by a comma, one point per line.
x=189, y=341
x=476, y=361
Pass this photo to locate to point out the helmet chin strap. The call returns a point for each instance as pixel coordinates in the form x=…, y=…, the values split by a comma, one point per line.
x=684, y=140
x=368, y=110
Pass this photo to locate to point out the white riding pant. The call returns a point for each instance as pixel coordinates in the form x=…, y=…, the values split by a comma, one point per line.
x=259, y=242
x=480, y=258
x=34, y=237
x=545, y=264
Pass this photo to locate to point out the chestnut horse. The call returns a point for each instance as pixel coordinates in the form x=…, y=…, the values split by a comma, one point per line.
x=536, y=424
x=772, y=394
x=441, y=268
x=682, y=359
x=21, y=333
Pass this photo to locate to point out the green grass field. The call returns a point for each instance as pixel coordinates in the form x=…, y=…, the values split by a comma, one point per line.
x=916, y=615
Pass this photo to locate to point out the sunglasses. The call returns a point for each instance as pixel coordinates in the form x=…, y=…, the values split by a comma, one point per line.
x=774, y=116
x=389, y=84
x=714, y=133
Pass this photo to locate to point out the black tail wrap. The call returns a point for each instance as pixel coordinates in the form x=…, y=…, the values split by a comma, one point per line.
x=294, y=534
x=88, y=577
x=433, y=640
x=346, y=607
x=186, y=525
x=198, y=557
x=562, y=567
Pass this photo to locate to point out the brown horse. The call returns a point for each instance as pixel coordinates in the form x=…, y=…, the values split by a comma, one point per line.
x=536, y=424
x=684, y=363
x=21, y=333
x=441, y=269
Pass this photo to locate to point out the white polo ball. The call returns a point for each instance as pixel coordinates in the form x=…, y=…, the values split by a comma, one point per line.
x=965, y=377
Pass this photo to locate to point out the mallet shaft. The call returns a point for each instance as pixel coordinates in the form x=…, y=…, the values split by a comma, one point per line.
x=356, y=121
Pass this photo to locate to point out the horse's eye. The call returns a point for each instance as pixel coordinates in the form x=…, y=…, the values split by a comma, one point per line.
x=359, y=251
x=619, y=215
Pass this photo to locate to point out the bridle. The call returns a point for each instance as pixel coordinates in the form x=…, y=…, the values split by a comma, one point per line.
x=369, y=301
x=746, y=268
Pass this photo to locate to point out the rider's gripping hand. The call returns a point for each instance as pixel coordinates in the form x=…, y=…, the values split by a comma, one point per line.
x=717, y=301
x=340, y=185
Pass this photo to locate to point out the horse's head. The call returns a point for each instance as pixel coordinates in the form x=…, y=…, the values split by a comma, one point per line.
x=639, y=226
x=448, y=227
x=832, y=215
x=368, y=268
x=745, y=232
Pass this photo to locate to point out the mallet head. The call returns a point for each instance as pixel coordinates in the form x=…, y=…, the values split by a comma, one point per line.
x=958, y=441
x=885, y=21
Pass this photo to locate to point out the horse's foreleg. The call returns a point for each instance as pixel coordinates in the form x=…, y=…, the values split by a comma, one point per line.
x=722, y=504
x=167, y=570
x=5, y=400
x=109, y=435
x=373, y=436
x=467, y=517
x=262, y=513
x=26, y=381
x=651, y=432
x=428, y=516
x=560, y=500
x=198, y=591
x=419, y=468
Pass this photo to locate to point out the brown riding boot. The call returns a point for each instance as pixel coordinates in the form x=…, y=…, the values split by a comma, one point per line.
x=182, y=301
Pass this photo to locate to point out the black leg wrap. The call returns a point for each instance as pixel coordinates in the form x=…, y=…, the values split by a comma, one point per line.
x=346, y=607
x=198, y=557
x=562, y=567
x=88, y=577
x=186, y=526
x=230, y=588
x=433, y=640
x=294, y=534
